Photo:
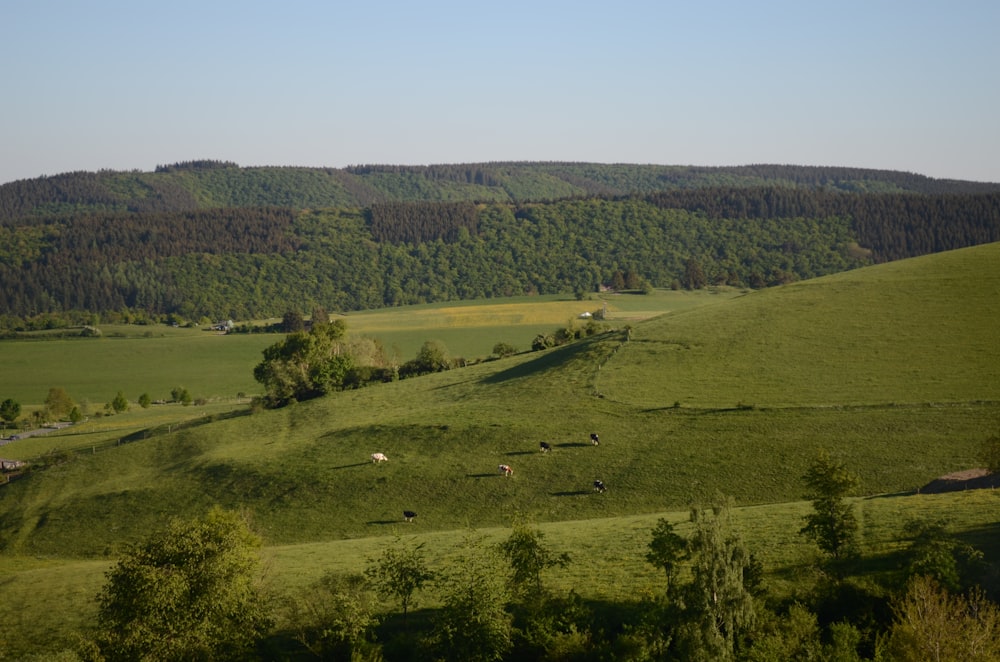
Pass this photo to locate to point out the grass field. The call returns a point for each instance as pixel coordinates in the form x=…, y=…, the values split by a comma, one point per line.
x=894, y=369
x=155, y=359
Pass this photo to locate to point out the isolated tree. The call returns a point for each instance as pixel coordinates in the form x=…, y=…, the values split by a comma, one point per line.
x=58, y=403
x=503, y=350
x=305, y=364
x=190, y=592
x=433, y=357
x=832, y=525
x=120, y=403
x=145, y=401
x=10, y=409
x=399, y=573
x=528, y=557
x=666, y=550
x=76, y=415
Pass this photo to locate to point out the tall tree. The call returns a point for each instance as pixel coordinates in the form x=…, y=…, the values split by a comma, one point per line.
x=190, y=592
x=666, y=550
x=832, y=524
x=720, y=606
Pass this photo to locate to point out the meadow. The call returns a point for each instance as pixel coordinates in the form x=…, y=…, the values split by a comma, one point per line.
x=154, y=359
x=893, y=369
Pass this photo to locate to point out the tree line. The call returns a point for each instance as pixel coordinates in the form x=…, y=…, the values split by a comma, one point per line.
x=210, y=184
x=253, y=262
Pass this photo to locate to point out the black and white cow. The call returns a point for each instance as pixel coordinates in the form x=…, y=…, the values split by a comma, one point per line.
x=408, y=515
x=544, y=447
x=594, y=439
x=599, y=486
x=506, y=470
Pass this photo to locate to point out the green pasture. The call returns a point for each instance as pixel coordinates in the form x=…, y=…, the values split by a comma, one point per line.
x=894, y=370
x=140, y=359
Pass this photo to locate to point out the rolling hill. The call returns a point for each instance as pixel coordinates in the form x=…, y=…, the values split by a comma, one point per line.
x=894, y=367
x=210, y=240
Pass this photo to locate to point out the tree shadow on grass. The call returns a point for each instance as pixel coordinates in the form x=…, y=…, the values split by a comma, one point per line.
x=348, y=466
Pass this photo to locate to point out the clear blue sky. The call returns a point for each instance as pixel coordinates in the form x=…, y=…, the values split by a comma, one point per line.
x=905, y=85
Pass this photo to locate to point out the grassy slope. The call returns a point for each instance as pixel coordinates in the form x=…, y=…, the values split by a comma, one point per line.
x=303, y=472
x=138, y=359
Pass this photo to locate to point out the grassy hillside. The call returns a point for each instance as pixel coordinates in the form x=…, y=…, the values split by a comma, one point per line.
x=304, y=473
x=764, y=381
x=920, y=331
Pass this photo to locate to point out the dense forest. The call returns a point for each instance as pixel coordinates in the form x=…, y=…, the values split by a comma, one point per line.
x=212, y=239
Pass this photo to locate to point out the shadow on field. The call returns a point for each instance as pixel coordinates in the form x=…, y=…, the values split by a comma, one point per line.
x=522, y=453
x=492, y=474
x=548, y=359
x=168, y=428
x=572, y=444
x=573, y=493
x=383, y=522
x=348, y=466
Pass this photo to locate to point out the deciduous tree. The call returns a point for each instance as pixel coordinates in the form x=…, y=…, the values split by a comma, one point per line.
x=832, y=524
x=399, y=573
x=190, y=592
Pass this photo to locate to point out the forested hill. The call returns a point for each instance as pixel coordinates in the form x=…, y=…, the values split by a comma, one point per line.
x=211, y=184
x=212, y=239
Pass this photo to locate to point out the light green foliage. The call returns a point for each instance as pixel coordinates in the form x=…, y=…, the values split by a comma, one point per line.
x=794, y=636
x=189, y=592
x=719, y=609
x=399, y=573
x=933, y=625
x=473, y=624
x=305, y=364
x=832, y=524
x=58, y=404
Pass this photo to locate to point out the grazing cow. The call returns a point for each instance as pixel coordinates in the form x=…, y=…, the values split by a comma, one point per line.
x=594, y=439
x=506, y=470
x=599, y=486
x=544, y=447
x=408, y=515
x=379, y=457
